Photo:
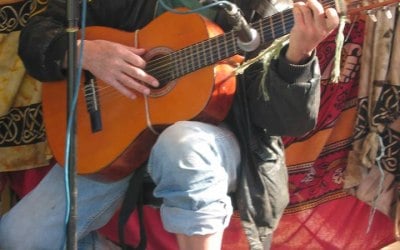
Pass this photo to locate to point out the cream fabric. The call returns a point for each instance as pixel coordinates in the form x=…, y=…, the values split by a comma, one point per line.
x=373, y=168
x=22, y=138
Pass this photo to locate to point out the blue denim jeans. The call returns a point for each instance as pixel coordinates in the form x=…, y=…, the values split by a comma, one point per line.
x=193, y=164
x=37, y=221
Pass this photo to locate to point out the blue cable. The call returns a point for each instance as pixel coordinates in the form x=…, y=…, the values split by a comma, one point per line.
x=215, y=3
x=72, y=109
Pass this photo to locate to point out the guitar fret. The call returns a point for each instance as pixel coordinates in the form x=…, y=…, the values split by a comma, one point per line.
x=215, y=50
x=180, y=70
x=176, y=66
x=194, y=57
x=262, y=36
x=171, y=72
x=186, y=61
x=182, y=64
x=195, y=52
x=211, y=54
x=232, y=39
x=171, y=69
x=276, y=19
x=198, y=53
x=271, y=24
x=204, y=53
x=235, y=47
x=218, y=50
x=226, y=46
x=282, y=18
x=191, y=64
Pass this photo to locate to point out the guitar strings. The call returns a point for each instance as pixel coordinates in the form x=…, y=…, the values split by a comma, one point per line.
x=162, y=62
x=163, y=66
x=179, y=65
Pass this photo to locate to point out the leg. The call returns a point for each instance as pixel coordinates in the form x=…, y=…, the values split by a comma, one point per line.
x=38, y=218
x=194, y=166
x=200, y=242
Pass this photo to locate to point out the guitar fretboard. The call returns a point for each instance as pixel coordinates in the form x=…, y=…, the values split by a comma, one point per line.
x=210, y=51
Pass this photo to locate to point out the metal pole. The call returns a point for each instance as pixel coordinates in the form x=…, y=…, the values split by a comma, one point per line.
x=72, y=29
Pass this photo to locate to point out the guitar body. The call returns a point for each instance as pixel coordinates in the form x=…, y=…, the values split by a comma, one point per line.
x=124, y=142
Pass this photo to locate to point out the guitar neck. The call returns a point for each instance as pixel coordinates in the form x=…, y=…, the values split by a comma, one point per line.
x=213, y=50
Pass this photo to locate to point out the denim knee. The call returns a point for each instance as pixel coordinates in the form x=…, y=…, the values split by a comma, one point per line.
x=187, y=164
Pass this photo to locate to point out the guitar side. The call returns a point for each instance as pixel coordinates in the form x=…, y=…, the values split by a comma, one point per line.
x=205, y=94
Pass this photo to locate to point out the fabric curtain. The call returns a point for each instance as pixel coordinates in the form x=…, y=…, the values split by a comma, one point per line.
x=23, y=142
x=372, y=173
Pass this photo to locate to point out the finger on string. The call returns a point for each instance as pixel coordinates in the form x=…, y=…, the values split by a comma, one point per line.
x=318, y=13
x=135, y=59
x=140, y=75
x=135, y=82
x=124, y=90
x=332, y=18
x=307, y=15
x=298, y=14
x=138, y=51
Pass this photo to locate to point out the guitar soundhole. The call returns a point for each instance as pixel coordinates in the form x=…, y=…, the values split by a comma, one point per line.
x=160, y=65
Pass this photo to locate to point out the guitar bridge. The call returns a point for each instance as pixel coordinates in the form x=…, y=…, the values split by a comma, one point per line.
x=92, y=102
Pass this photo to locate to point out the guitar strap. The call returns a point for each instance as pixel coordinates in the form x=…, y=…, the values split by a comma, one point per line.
x=133, y=199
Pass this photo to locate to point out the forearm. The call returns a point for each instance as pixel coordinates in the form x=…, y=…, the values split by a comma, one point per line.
x=291, y=104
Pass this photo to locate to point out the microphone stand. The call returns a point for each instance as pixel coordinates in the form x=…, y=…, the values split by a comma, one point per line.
x=72, y=29
x=248, y=38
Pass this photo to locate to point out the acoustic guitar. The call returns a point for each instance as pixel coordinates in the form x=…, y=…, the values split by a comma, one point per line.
x=193, y=59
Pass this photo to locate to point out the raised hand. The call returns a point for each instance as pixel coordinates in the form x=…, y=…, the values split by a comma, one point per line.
x=312, y=24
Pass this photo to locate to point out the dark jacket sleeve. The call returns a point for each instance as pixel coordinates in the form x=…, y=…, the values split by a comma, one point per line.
x=293, y=96
x=44, y=41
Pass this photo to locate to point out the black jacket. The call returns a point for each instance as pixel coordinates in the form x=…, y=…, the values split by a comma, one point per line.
x=291, y=109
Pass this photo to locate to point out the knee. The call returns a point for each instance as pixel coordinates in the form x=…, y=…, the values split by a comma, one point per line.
x=183, y=150
x=176, y=139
